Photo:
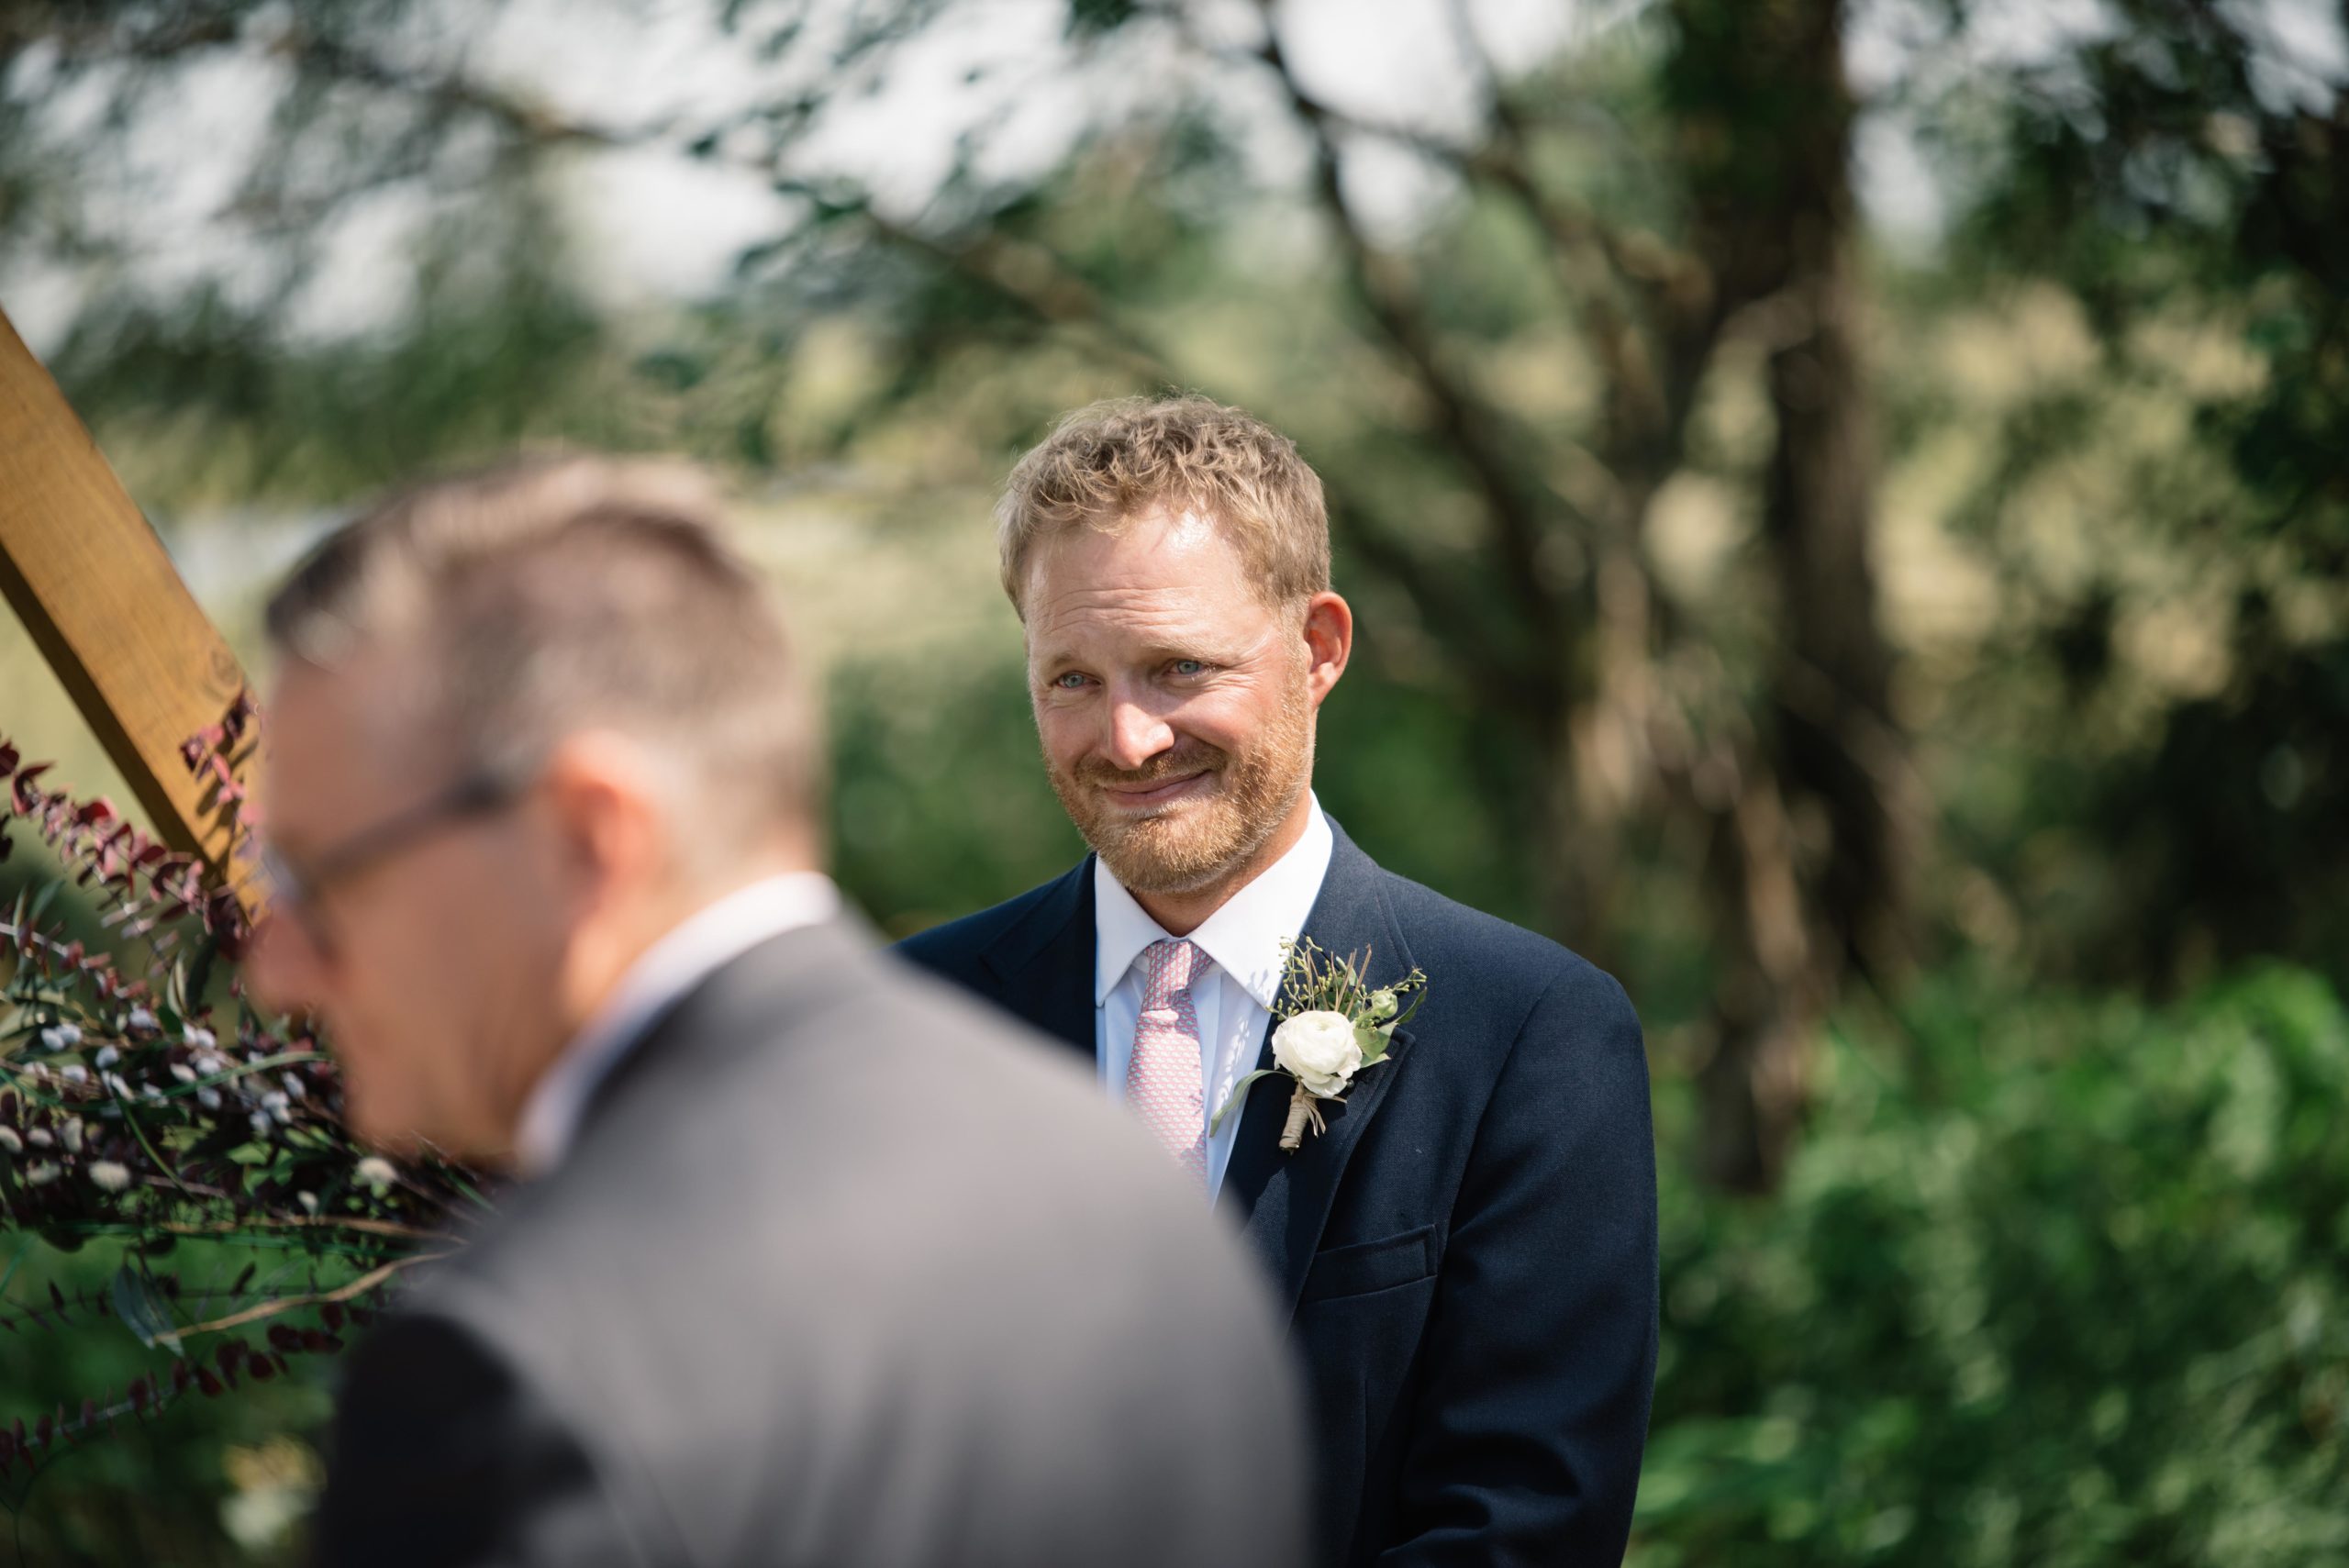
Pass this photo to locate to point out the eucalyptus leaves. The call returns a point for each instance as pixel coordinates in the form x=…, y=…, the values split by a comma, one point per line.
x=1332, y=1024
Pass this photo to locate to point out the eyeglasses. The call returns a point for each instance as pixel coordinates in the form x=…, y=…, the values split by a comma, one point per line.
x=296, y=888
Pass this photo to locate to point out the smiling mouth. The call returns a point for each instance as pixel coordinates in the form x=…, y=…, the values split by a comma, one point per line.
x=1136, y=799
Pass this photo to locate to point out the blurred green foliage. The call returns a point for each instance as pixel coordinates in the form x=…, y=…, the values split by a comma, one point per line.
x=224, y=1481
x=2072, y=1294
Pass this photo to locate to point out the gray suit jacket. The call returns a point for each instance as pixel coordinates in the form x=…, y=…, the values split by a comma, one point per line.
x=839, y=1271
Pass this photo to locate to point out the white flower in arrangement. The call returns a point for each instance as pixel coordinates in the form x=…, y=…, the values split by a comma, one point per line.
x=1320, y=1051
x=71, y=1133
x=1332, y=1026
x=375, y=1171
x=309, y=1202
x=107, y=1057
x=140, y=1019
x=109, y=1175
x=39, y=1174
x=74, y=1073
x=10, y=1141
x=57, y=1037
x=200, y=1039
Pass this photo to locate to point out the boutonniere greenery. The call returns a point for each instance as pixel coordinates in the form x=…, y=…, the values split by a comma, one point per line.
x=1332, y=1024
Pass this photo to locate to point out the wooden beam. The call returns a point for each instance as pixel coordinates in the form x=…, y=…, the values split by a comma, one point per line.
x=107, y=609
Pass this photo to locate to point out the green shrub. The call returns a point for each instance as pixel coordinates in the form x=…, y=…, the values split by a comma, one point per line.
x=2052, y=1282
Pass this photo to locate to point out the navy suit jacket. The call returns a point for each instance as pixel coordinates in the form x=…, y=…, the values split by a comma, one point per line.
x=1468, y=1255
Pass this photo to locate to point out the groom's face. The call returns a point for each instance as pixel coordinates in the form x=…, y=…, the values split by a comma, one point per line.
x=1174, y=705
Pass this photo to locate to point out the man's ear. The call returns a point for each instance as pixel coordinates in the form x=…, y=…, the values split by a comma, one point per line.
x=606, y=798
x=1329, y=641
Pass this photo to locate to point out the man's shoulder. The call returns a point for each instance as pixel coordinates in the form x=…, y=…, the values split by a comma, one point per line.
x=955, y=947
x=793, y=1077
x=885, y=1144
x=1437, y=927
x=1503, y=961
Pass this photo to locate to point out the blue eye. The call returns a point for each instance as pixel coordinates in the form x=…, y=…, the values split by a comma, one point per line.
x=1189, y=667
x=1068, y=682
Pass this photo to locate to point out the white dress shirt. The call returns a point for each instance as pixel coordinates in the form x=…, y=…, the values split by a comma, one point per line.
x=693, y=950
x=1233, y=999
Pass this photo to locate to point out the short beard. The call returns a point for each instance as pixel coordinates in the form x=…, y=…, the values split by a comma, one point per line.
x=1198, y=843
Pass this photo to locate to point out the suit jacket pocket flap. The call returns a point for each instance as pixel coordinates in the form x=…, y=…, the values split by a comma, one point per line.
x=1367, y=1266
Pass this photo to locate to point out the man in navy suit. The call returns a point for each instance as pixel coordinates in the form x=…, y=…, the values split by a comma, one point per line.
x=1466, y=1250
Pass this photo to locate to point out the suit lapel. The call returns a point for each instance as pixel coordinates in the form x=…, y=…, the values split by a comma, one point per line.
x=1044, y=968
x=1285, y=1199
x=1044, y=964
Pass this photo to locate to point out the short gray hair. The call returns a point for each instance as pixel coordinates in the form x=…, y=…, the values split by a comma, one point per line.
x=548, y=595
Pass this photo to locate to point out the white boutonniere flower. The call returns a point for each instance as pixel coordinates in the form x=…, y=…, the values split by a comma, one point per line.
x=1331, y=1027
x=1320, y=1051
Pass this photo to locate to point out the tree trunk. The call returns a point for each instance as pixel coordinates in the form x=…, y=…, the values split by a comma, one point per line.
x=1838, y=748
x=1752, y=1092
x=1809, y=866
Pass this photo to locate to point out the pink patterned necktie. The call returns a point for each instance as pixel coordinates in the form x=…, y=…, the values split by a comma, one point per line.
x=1162, y=1074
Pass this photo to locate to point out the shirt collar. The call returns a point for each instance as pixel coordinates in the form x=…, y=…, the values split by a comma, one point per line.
x=696, y=948
x=1242, y=939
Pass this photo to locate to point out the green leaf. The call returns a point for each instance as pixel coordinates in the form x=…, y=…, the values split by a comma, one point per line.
x=41, y=900
x=143, y=1309
x=1239, y=1093
x=1373, y=1040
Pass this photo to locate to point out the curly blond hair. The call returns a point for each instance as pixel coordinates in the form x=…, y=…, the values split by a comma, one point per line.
x=1110, y=463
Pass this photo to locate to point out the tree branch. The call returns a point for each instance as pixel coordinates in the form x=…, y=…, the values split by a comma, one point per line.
x=536, y=125
x=1458, y=620
x=284, y=1304
x=1030, y=277
x=1517, y=507
x=1046, y=288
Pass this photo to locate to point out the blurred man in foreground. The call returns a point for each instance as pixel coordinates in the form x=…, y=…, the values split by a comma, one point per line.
x=1463, y=1226
x=810, y=1262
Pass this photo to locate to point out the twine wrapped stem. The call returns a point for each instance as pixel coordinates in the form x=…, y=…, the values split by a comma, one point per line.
x=1301, y=1110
